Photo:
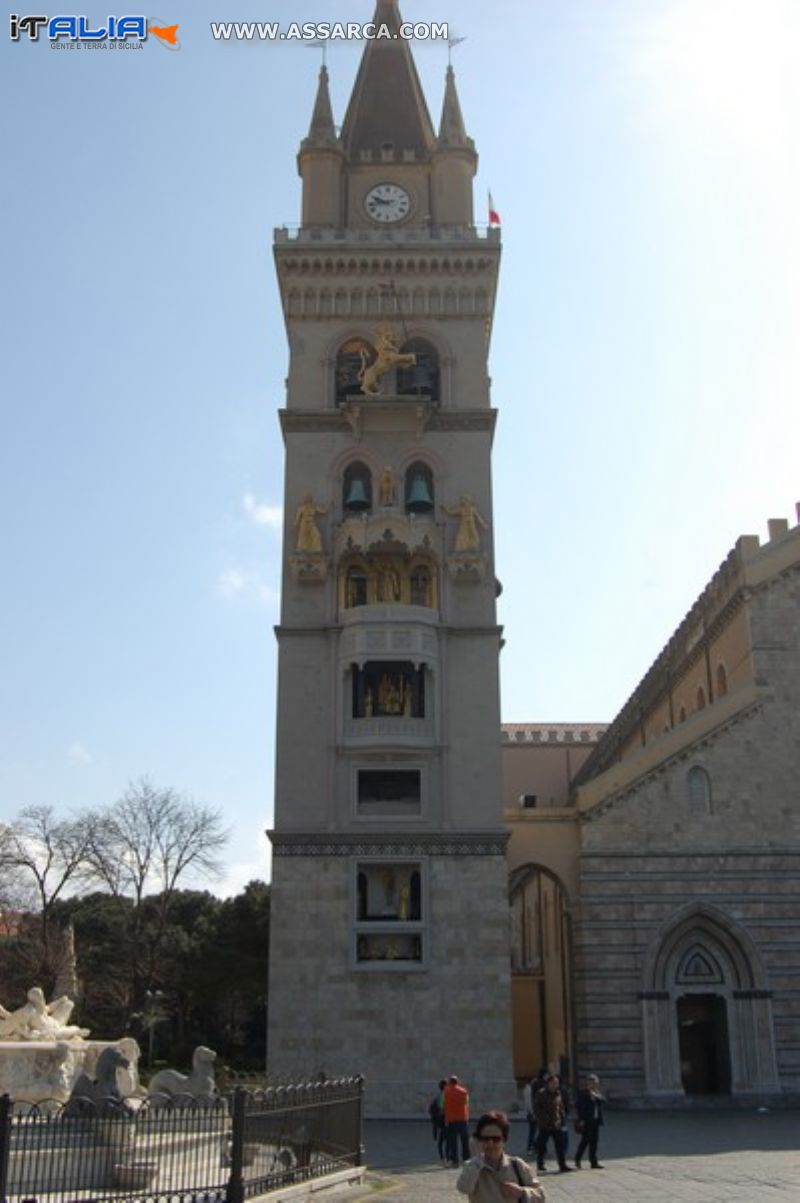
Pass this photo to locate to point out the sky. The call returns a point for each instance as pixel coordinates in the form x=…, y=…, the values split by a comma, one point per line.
x=645, y=159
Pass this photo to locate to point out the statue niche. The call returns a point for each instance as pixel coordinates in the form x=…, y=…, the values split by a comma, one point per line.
x=388, y=689
x=387, y=581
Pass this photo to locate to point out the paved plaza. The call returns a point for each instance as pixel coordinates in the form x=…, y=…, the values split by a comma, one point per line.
x=650, y=1157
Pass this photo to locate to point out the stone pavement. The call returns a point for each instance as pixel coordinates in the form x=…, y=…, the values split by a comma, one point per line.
x=649, y=1157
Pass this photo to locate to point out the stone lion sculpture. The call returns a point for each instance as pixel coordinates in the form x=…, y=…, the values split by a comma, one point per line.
x=199, y=1084
x=102, y=1092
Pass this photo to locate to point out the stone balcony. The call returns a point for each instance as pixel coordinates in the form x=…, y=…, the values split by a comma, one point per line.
x=398, y=732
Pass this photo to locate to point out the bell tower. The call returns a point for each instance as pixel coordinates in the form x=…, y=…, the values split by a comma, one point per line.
x=389, y=945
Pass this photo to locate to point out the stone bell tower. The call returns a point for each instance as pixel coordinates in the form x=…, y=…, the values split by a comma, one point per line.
x=389, y=945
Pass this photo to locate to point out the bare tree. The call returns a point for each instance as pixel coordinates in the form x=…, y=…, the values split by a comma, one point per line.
x=42, y=858
x=143, y=848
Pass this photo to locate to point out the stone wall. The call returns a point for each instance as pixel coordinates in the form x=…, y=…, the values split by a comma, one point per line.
x=662, y=861
x=403, y=1028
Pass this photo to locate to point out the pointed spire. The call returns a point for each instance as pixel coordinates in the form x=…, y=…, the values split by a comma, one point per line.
x=387, y=106
x=452, y=134
x=321, y=131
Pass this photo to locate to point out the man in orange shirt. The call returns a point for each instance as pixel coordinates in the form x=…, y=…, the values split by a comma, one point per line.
x=456, y=1118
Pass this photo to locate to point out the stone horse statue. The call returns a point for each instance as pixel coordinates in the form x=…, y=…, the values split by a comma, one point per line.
x=387, y=356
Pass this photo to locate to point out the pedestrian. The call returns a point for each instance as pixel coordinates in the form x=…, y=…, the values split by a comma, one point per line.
x=551, y=1114
x=456, y=1118
x=529, y=1093
x=589, y=1120
x=436, y=1112
x=491, y=1176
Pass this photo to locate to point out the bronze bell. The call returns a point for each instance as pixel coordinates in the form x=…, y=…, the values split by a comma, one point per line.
x=419, y=500
x=356, y=498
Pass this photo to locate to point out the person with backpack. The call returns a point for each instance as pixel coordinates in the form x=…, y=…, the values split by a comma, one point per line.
x=491, y=1176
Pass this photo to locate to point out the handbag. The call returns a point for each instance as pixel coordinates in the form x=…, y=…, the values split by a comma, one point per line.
x=579, y=1126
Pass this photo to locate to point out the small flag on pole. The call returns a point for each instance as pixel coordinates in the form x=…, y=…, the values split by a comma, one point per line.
x=494, y=216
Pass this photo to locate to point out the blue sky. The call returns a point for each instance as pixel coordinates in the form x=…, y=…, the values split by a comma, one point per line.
x=645, y=158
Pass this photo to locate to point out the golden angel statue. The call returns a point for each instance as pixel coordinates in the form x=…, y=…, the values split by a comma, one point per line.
x=468, y=536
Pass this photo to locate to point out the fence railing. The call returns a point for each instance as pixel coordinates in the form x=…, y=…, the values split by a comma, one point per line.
x=221, y=1150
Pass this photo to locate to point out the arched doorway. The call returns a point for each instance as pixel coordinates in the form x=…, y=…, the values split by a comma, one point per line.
x=541, y=995
x=706, y=1010
x=703, y=1043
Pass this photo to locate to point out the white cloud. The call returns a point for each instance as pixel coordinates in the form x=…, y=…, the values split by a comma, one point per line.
x=78, y=754
x=238, y=582
x=261, y=514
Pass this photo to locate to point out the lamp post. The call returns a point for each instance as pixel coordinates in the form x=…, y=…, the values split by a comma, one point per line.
x=153, y=1014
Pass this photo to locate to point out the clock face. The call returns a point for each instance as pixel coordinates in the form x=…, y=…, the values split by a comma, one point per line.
x=387, y=203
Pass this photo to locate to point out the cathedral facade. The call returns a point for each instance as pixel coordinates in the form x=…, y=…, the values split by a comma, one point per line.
x=655, y=877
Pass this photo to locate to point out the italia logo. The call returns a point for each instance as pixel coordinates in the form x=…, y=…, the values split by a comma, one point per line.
x=74, y=28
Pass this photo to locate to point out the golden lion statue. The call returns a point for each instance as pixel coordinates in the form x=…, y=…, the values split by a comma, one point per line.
x=387, y=356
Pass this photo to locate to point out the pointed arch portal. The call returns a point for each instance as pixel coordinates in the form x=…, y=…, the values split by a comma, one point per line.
x=706, y=1010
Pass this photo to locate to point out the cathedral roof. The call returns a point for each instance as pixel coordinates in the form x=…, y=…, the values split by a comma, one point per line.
x=387, y=104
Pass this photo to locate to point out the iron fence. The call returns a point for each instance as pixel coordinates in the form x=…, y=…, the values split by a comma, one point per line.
x=227, y=1149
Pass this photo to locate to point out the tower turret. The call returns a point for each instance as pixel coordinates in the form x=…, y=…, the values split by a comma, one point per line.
x=454, y=162
x=320, y=162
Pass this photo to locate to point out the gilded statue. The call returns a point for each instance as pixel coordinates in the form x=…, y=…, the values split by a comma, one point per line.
x=387, y=356
x=390, y=695
x=389, y=588
x=386, y=487
x=307, y=536
x=468, y=536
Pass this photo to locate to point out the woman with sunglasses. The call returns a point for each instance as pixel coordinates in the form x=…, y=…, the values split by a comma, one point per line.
x=491, y=1176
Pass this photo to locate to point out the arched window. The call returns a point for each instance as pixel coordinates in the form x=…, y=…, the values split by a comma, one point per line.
x=421, y=380
x=419, y=495
x=722, y=681
x=698, y=788
x=682, y=715
x=356, y=489
x=701, y=698
x=348, y=367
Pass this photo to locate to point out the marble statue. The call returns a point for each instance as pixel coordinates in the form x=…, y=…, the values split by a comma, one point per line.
x=39, y=1020
x=198, y=1084
x=103, y=1091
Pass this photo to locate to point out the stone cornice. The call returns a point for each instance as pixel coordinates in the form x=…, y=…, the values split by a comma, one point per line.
x=385, y=843
x=313, y=421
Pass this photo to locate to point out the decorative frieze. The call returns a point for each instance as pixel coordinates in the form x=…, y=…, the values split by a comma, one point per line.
x=388, y=844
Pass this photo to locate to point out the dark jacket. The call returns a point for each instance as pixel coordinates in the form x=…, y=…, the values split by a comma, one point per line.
x=549, y=1110
x=589, y=1108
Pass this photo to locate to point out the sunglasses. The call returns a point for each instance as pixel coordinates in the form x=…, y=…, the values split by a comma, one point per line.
x=497, y=1140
